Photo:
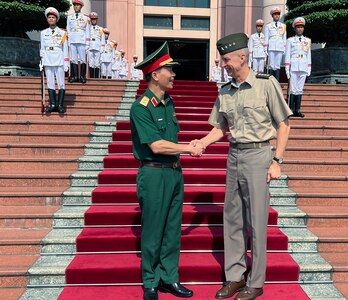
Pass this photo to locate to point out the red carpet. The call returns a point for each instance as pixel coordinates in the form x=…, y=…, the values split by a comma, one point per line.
x=201, y=292
x=109, y=246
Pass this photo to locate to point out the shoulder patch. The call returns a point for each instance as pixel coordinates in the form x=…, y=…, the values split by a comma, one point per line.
x=144, y=101
x=225, y=84
x=263, y=76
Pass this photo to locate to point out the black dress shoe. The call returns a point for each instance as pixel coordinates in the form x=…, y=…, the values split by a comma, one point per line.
x=150, y=294
x=176, y=289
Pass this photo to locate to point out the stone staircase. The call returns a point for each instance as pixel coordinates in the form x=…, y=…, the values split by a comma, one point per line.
x=318, y=173
x=317, y=144
x=38, y=156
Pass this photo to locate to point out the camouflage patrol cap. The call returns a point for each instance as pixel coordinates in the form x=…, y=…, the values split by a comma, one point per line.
x=159, y=58
x=232, y=43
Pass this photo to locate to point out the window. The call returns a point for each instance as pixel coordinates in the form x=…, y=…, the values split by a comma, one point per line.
x=189, y=23
x=158, y=22
x=179, y=3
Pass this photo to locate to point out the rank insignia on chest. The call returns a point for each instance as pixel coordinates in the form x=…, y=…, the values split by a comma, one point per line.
x=154, y=101
x=144, y=101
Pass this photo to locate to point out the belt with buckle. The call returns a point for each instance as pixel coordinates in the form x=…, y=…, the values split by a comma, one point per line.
x=249, y=145
x=173, y=165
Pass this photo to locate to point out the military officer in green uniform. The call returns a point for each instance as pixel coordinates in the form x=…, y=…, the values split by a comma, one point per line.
x=160, y=186
x=252, y=110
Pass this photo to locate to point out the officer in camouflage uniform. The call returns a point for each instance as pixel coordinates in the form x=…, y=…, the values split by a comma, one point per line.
x=160, y=186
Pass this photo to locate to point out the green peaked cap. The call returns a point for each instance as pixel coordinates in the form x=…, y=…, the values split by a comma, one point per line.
x=232, y=43
x=156, y=60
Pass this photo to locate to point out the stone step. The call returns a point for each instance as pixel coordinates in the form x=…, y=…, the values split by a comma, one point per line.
x=301, y=179
x=105, y=110
x=21, y=241
x=331, y=240
x=326, y=216
x=42, y=150
x=48, y=164
x=10, y=293
x=27, y=216
x=343, y=288
x=69, y=100
x=52, y=125
x=64, y=240
x=73, y=216
x=117, y=177
x=40, y=180
x=339, y=262
x=94, y=116
x=13, y=270
x=31, y=195
x=51, y=269
x=51, y=137
x=110, y=98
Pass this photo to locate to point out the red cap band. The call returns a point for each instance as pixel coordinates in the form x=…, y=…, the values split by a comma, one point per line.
x=157, y=64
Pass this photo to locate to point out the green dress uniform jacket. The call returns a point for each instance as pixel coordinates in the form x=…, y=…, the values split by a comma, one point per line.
x=159, y=189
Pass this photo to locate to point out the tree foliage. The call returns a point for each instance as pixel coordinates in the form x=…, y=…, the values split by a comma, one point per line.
x=326, y=20
x=18, y=17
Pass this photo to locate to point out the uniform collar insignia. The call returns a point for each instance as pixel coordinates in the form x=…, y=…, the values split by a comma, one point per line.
x=154, y=101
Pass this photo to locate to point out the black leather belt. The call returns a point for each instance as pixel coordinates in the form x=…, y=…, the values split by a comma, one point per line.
x=249, y=145
x=173, y=165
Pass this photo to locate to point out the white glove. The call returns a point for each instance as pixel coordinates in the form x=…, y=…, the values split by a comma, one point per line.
x=41, y=66
x=87, y=47
x=66, y=68
x=287, y=73
x=42, y=53
x=266, y=52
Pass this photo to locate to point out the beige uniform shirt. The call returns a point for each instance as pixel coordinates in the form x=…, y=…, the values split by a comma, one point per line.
x=252, y=111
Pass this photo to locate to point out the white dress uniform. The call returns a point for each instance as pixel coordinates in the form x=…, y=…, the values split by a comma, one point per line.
x=298, y=63
x=97, y=40
x=78, y=30
x=123, y=73
x=257, y=53
x=107, y=54
x=135, y=73
x=275, y=42
x=216, y=73
x=116, y=64
x=55, y=56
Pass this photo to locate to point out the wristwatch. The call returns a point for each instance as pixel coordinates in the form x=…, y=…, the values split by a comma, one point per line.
x=278, y=160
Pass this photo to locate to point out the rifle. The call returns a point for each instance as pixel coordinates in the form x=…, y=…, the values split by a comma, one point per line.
x=42, y=88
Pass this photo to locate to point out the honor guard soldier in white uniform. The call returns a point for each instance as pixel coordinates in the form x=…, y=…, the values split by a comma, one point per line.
x=257, y=53
x=116, y=62
x=107, y=54
x=298, y=64
x=78, y=30
x=216, y=72
x=96, y=42
x=275, y=42
x=123, y=73
x=55, y=58
x=135, y=73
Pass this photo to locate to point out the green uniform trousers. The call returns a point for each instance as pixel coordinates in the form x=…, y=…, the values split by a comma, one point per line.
x=160, y=193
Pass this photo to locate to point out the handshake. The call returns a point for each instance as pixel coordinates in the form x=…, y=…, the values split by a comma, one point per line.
x=196, y=148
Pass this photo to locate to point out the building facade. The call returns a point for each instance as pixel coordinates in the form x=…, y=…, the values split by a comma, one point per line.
x=191, y=27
